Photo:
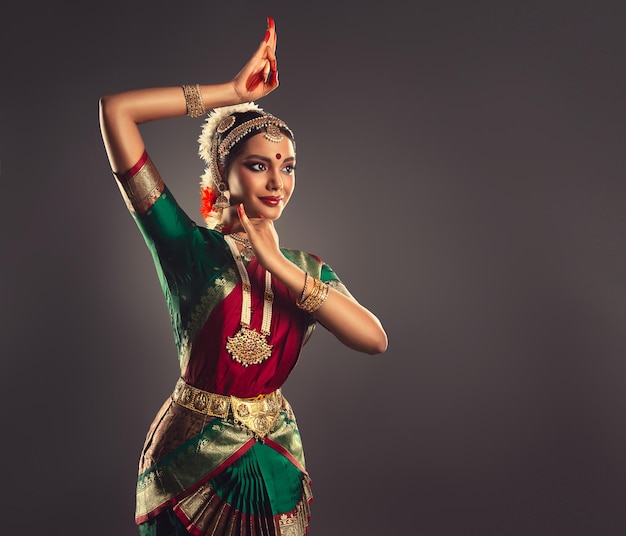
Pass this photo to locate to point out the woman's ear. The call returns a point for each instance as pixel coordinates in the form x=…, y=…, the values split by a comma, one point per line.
x=225, y=176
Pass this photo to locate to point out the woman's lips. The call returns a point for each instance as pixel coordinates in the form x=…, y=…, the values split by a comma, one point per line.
x=271, y=201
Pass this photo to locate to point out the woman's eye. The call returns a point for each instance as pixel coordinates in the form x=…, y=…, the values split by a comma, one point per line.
x=256, y=166
x=289, y=169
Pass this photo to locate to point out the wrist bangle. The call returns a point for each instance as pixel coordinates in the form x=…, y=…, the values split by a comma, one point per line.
x=316, y=298
x=306, y=284
x=193, y=100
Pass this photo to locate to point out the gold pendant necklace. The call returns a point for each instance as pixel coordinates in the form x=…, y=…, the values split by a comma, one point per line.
x=247, y=252
x=247, y=346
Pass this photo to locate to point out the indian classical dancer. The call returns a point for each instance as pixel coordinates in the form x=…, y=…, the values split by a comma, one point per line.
x=224, y=455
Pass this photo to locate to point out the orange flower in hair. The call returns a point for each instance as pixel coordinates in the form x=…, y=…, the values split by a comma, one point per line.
x=206, y=201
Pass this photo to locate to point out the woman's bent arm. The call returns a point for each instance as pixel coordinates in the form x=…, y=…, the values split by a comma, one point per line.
x=121, y=113
x=348, y=320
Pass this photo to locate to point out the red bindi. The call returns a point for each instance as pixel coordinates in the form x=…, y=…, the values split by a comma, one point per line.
x=277, y=156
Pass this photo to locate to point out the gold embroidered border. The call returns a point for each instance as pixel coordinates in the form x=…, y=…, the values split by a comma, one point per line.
x=182, y=468
x=217, y=291
x=209, y=514
x=295, y=523
x=142, y=190
x=287, y=436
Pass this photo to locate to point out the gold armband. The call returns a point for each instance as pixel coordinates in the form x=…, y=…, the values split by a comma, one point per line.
x=141, y=186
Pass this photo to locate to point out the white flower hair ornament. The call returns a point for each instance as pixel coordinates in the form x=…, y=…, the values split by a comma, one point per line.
x=211, y=183
x=215, y=117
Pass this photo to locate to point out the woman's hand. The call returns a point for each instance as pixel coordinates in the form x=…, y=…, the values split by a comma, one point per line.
x=264, y=239
x=121, y=113
x=260, y=75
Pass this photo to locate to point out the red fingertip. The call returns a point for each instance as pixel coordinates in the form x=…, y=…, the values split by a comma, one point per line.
x=270, y=22
x=267, y=36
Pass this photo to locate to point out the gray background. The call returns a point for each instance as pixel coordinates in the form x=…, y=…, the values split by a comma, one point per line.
x=460, y=165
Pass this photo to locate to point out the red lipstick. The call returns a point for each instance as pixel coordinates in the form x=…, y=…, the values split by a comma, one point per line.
x=271, y=200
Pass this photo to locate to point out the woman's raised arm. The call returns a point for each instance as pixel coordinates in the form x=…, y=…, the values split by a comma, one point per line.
x=121, y=113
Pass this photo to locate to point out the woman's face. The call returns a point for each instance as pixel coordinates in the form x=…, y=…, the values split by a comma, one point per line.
x=262, y=176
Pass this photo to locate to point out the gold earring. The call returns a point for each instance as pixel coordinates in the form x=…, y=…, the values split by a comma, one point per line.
x=222, y=200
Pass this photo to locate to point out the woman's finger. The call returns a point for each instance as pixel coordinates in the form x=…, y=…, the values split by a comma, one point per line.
x=273, y=72
x=261, y=68
x=247, y=222
x=267, y=69
x=243, y=217
x=271, y=27
x=269, y=39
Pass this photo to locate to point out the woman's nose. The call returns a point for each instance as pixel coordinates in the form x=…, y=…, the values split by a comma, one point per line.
x=275, y=182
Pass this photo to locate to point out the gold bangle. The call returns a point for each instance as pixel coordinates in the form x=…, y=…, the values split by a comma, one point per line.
x=320, y=297
x=306, y=284
x=193, y=100
x=316, y=298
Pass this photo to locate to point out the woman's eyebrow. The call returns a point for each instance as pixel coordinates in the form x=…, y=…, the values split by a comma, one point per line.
x=266, y=159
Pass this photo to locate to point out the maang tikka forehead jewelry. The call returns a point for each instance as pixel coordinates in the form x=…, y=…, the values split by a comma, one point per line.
x=272, y=126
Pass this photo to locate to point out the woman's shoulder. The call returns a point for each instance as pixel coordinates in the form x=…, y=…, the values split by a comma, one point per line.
x=211, y=235
x=314, y=266
x=303, y=259
x=211, y=239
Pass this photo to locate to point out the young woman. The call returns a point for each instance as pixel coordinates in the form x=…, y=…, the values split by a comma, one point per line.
x=223, y=455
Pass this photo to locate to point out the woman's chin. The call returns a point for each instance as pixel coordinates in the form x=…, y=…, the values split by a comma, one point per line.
x=269, y=213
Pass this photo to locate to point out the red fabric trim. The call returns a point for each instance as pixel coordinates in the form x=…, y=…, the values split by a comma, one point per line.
x=282, y=450
x=174, y=500
x=316, y=258
x=189, y=526
x=135, y=169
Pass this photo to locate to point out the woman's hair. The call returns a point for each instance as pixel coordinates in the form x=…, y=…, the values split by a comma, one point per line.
x=223, y=137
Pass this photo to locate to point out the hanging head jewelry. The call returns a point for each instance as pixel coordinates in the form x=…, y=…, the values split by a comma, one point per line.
x=220, y=134
x=222, y=201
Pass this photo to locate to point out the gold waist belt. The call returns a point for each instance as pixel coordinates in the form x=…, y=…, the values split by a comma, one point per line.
x=257, y=414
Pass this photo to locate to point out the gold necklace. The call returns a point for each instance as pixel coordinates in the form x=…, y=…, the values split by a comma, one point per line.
x=247, y=252
x=247, y=346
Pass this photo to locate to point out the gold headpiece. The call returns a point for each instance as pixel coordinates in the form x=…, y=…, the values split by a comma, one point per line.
x=271, y=124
